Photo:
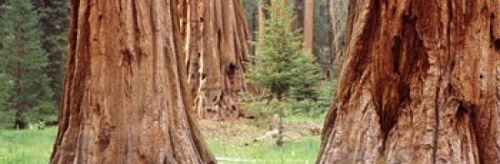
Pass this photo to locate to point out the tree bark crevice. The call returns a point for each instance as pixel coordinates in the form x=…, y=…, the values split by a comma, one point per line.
x=432, y=93
x=216, y=71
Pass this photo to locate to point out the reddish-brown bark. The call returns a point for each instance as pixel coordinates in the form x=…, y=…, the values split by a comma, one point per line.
x=419, y=84
x=308, y=25
x=217, y=45
x=126, y=98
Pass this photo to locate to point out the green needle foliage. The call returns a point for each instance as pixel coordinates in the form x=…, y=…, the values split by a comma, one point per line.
x=24, y=64
x=281, y=65
x=53, y=22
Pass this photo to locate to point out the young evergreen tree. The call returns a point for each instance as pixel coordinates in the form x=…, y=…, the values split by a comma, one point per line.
x=25, y=63
x=281, y=65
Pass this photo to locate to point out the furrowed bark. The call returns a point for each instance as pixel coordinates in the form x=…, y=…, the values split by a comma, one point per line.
x=217, y=45
x=419, y=84
x=125, y=96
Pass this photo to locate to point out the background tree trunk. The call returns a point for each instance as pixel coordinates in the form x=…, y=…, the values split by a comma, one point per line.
x=251, y=12
x=419, y=84
x=125, y=97
x=334, y=38
x=299, y=14
x=217, y=45
x=308, y=25
x=338, y=16
x=263, y=15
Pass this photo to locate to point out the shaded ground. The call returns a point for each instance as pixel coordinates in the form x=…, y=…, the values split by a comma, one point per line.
x=246, y=131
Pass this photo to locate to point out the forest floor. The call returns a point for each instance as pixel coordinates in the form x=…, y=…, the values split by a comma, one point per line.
x=234, y=141
x=254, y=140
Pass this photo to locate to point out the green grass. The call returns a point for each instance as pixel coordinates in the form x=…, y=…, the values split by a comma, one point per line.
x=26, y=146
x=301, y=118
x=35, y=146
x=299, y=151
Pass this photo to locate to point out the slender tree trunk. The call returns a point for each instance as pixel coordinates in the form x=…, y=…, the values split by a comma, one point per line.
x=299, y=13
x=217, y=45
x=251, y=11
x=262, y=18
x=309, y=25
x=419, y=84
x=335, y=46
x=20, y=121
x=125, y=97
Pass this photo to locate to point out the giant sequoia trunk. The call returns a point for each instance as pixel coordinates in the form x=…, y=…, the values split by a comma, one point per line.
x=125, y=97
x=217, y=46
x=419, y=84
